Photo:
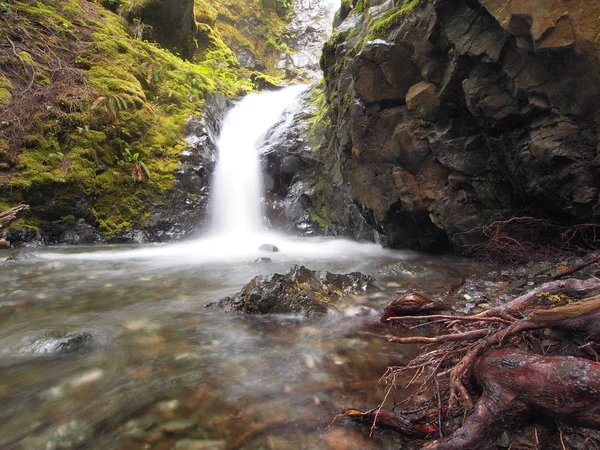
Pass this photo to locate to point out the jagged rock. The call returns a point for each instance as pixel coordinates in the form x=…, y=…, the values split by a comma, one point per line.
x=501, y=116
x=300, y=291
x=423, y=101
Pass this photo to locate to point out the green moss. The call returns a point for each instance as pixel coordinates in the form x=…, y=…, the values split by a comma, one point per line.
x=132, y=96
x=391, y=18
x=5, y=90
x=361, y=6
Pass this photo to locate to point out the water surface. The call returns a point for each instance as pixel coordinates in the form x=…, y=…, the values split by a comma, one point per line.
x=161, y=368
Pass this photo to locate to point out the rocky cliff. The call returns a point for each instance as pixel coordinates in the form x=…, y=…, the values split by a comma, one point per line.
x=450, y=114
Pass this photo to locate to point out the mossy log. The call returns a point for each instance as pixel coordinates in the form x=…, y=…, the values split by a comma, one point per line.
x=9, y=216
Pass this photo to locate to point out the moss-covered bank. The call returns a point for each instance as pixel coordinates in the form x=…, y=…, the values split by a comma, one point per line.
x=93, y=116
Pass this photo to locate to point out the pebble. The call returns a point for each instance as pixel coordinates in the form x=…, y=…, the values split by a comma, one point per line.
x=194, y=444
x=178, y=426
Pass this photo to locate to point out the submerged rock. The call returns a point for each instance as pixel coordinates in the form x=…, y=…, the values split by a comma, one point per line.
x=301, y=290
x=263, y=261
x=68, y=344
x=403, y=269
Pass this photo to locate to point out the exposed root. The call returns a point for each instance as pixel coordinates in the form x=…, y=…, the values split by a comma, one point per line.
x=514, y=383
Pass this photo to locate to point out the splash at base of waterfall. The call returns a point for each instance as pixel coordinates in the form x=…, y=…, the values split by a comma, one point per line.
x=243, y=247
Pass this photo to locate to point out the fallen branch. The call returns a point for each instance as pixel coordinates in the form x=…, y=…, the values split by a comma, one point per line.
x=9, y=216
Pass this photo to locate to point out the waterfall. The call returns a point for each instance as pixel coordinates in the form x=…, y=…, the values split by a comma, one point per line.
x=236, y=206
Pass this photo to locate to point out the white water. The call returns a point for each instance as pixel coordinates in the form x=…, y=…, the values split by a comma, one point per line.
x=236, y=206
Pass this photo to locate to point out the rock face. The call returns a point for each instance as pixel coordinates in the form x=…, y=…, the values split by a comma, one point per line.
x=308, y=30
x=183, y=210
x=300, y=291
x=461, y=112
x=306, y=192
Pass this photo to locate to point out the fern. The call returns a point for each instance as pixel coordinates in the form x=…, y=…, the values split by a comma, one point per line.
x=111, y=104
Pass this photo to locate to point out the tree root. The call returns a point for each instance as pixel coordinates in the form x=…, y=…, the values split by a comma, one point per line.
x=400, y=422
x=514, y=383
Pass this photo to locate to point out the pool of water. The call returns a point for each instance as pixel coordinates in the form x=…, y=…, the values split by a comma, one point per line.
x=162, y=371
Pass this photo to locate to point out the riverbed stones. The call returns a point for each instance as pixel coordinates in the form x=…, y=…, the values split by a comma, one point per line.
x=301, y=291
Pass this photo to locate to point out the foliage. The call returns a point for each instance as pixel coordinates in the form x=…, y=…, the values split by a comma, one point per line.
x=138, y=165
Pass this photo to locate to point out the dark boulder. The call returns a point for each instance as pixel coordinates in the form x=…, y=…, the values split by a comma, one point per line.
x=300, y=291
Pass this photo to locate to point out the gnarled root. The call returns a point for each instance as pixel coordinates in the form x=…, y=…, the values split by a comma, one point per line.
x=399, y=422
x=516, y=384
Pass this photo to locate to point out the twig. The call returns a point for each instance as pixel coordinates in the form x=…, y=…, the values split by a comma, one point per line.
x=454, y=318
x=465, y=336
x=577, y=268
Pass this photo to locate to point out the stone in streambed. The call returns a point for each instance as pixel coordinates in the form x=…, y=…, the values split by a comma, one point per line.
x=300, y=291
x=268, y=248
x=195, y=444
x=178, y=426
x=263, y=261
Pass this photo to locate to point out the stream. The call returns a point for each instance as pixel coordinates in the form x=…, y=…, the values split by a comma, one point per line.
x=158, y=370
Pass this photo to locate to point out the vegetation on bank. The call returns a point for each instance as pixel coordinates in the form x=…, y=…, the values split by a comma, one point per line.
x=92, y=116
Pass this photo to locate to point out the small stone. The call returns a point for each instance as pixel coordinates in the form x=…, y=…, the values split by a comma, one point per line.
x=167, y=407
x=194, y=444
x=178, y=426
x=268, y=248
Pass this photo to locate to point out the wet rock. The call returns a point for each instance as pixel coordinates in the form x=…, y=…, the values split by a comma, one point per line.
x=268, y=248
x=4, y=244
x=300, y=290
x=195, y=444
x=74, y=343
x=263, y=261
x=68, y=344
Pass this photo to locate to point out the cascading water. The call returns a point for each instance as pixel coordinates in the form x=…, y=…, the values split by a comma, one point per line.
x=236, y=206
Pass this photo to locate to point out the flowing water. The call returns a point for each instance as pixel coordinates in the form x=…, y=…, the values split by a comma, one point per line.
x=111, y=347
